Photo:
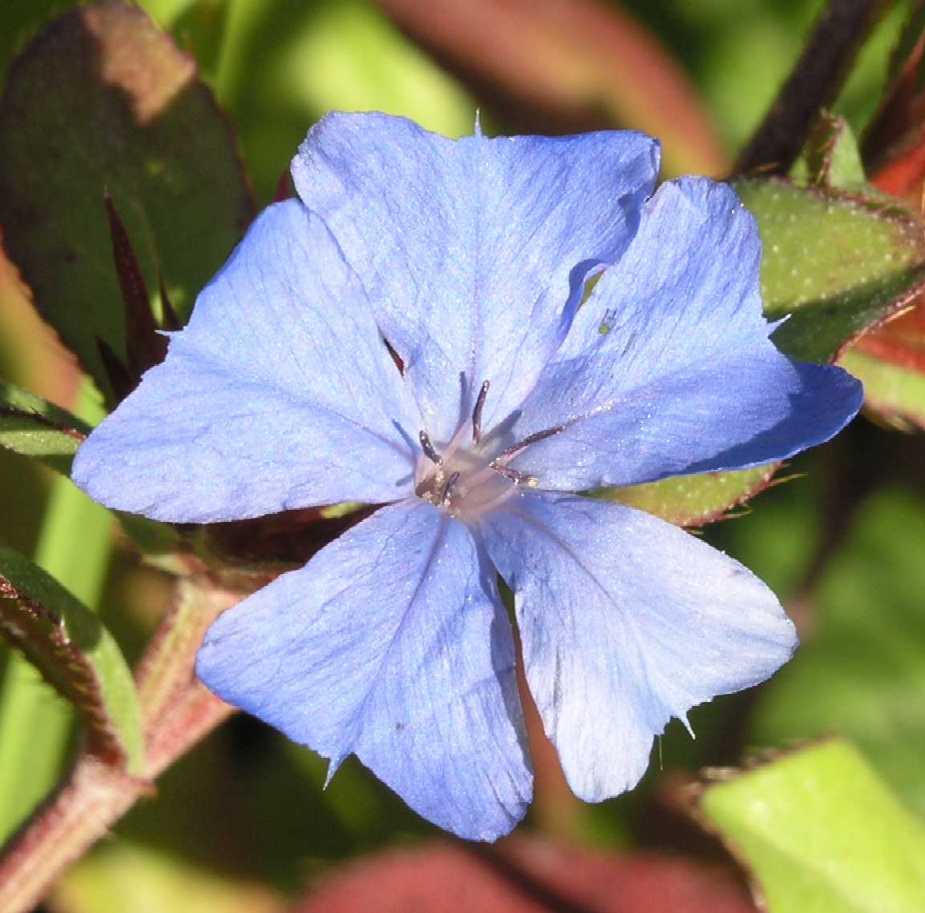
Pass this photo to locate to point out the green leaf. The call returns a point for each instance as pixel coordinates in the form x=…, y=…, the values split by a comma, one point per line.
x=33, y=427
x=694, y=500
x=102, y=100
x=36, y=428
x=75, y=654
x=862, y=672
x=837, y=263
x=893, y=393
x=822, y=834
x=129, y=877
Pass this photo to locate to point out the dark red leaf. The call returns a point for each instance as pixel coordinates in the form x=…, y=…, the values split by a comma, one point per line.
x=524, y=876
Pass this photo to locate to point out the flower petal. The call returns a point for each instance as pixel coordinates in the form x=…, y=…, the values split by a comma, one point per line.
x=474, y=252
x=391, y=644
x=279, y=394
x=625, y=622
x=668, y=368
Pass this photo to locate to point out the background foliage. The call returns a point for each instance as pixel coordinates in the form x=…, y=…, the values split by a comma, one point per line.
x=242, y=823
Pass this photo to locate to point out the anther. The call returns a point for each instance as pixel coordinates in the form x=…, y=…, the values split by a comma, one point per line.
x=448, y=488
x=428, y=448
x=518, y=478
x=477, y=412
x=527, y=441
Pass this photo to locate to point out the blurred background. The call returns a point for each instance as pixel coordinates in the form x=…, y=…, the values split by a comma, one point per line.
x=242, y=823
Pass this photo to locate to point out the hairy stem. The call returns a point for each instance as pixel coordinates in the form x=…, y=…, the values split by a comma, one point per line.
x=814, y=83
x=178, y=712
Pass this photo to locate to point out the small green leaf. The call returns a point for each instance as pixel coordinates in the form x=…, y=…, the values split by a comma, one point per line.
x=821, y=834
x=75, y=654
x=837, y=263
x=861, y=673
x=36, y=428
x=694, y=500
x=33, y=427
x=102, y=100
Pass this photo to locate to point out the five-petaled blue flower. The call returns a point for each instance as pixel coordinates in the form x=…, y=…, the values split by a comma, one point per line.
x=469, y=259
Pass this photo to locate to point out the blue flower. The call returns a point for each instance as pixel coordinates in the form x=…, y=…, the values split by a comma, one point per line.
x=469, y=259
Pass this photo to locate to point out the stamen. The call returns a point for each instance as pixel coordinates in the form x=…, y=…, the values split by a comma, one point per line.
x=527, y=441
x=517, y=477
x=428, y=448
x=477, y=412
x=448, y=488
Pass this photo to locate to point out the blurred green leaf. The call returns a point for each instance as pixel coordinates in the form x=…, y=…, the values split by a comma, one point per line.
x=19, y=20
x=894, y=393
x=75, y=654
x=33, y=427
x=821, y=834
x=837, y=263
x=102, y=100
x=861, y=673
x=128, y=878
x=284, y=64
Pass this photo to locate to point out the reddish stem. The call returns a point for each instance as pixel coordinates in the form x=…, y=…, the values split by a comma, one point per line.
x=178, y=712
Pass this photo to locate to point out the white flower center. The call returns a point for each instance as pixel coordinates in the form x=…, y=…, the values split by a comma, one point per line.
x=469, y=477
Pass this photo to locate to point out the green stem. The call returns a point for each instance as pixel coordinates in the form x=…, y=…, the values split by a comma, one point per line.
x=167, y=666
x=814, y=83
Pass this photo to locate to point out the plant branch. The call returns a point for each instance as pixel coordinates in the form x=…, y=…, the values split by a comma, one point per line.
x=814, y=83
x=178, y=713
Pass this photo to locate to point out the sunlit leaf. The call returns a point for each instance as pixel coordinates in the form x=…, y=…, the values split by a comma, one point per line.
x=74, y=653
x=861, y=671
x=821, y=834
x=694, y=500
x=33, y=427
x=103, y=101
x=836, y=262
